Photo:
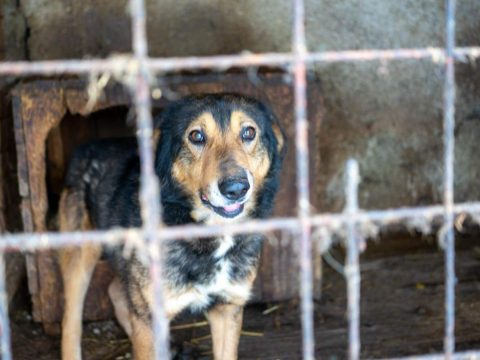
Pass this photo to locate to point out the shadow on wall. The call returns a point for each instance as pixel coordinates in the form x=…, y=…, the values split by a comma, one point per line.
x=175, y=28
x=199, y=28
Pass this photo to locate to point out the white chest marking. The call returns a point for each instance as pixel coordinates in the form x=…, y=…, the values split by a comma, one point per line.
x=225, y=244
x=221, y=285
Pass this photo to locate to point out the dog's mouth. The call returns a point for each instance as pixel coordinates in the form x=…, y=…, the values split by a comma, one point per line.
x=228, y=211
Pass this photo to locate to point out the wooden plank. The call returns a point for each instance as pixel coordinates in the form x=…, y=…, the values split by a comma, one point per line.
x=3, y=224
x=22, y=165
x=41, y=109
x=3, y=208
x=14, y=262
x=25, y=203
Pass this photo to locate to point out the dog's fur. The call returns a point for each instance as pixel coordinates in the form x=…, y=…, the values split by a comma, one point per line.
x=210, y=274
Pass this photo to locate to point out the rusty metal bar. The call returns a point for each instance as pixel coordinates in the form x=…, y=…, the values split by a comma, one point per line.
x=5, y=351
x=299, y=48
x=33, y=241
x=352, y=266
x=223, y=62
x=149, y=189
x=467, y=355
x=448, y=199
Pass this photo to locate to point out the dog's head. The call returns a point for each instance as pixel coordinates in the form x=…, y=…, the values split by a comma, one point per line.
x=224, y=153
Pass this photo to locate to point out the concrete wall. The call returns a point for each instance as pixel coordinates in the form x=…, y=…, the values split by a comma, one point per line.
x=387, y=115
x=12, y=31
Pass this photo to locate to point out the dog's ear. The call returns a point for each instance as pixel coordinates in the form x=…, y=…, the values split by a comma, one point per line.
x=157, y=122
x=278, y=133
x=276, y=142
x=155, y=138
x=166, y=130
x=161, y=144
x=280, y=137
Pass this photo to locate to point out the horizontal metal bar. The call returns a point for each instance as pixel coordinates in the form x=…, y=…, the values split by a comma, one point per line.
x=33, y=241
x=467, y=355
x=222, y=62
x=436, y=54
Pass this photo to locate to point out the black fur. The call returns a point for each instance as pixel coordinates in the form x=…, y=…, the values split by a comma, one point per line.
x=108, y=174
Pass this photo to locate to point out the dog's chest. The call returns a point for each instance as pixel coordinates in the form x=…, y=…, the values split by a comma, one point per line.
x=218, y=281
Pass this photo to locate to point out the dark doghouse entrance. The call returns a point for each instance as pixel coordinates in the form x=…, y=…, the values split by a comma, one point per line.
x=74, y=130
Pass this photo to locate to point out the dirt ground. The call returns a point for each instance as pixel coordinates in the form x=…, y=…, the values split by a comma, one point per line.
x=401, y=314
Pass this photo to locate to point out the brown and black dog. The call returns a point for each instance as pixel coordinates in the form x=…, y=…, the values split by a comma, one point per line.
x=218, y=160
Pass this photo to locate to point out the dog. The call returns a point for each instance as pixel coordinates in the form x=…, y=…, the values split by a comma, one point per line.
x=218, y=158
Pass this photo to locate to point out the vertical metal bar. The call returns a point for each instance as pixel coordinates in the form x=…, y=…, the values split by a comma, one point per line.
x=301, y=145
x=449, y=142
x=4, y=325
x=352, y=267
x=149, y=192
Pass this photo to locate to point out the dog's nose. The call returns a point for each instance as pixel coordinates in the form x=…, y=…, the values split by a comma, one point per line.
x=234, y=188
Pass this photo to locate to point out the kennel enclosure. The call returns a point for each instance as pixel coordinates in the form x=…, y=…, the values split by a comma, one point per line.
x=304, y=223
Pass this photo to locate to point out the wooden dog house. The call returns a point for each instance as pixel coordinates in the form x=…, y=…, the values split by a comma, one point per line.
x=50, y=119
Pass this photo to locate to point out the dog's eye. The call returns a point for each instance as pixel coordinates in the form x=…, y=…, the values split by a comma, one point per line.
x=196, y=137
x=248, y=133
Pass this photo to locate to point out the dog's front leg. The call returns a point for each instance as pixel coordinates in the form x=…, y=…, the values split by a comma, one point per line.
x=77, y=265
x=226, y=325
x=142, y=339
x=120, y=305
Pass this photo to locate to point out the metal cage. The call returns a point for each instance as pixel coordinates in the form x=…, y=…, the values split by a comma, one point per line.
x=140, y=66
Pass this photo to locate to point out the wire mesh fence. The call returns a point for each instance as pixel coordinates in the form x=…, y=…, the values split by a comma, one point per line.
x=141, y=67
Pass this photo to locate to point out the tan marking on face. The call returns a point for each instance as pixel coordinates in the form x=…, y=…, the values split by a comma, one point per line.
x=199, y=166
x=253, y=155
x=239, y=120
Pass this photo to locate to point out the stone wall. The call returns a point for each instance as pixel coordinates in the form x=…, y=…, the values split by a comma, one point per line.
x=387, y=115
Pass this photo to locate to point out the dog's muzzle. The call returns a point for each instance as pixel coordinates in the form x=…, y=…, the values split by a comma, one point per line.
x=228, y=196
